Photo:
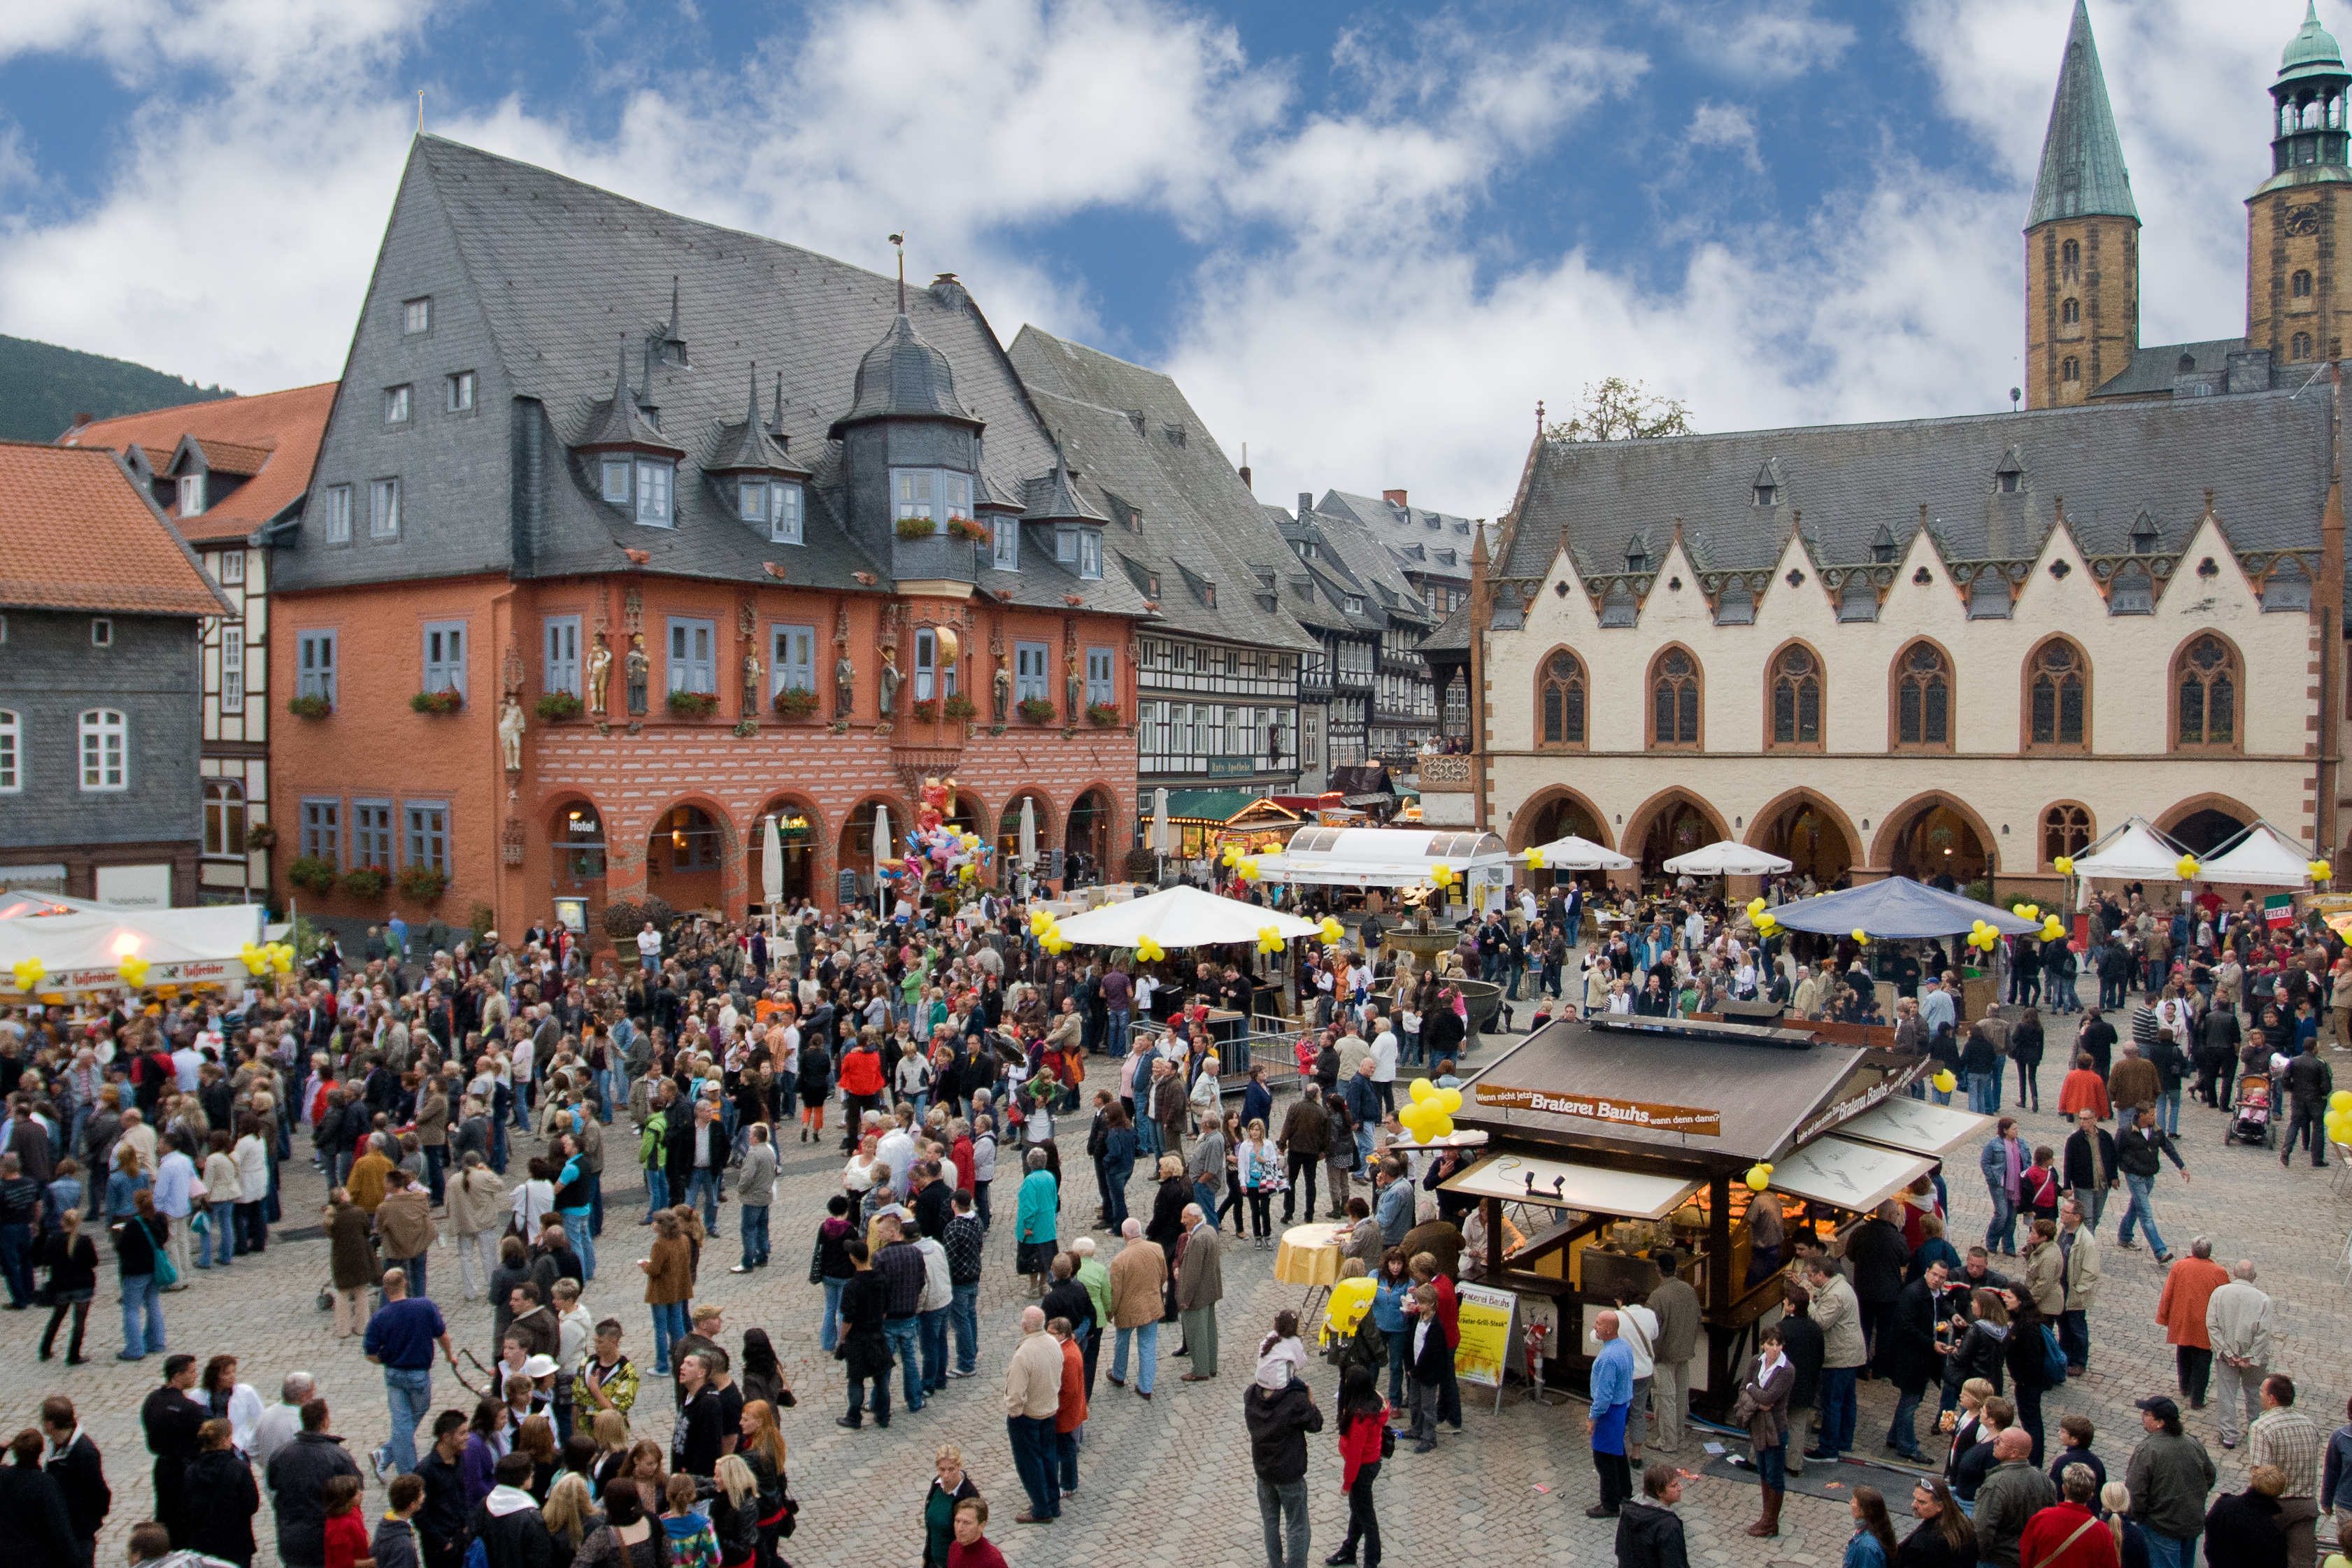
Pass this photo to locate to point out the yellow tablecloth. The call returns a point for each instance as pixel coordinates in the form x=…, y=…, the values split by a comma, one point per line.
x=1310, y=1255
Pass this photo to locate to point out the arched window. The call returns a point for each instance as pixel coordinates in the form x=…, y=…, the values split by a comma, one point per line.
x=2057, y=694
x=2066, y=830
x=1795, y=695
x=2070, y=370
x=103, y=750
x=2300, y=286
x=1922, y=698
x=1560, y=700
x=1674, y=700
x=2301, y=348
x=2070, y=261
x=224, y=818
x=2070, y=313
x=2206, y=681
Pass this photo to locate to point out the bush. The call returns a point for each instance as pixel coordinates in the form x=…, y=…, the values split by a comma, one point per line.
x=557, y=706
x=366, y=883
x=311, y=873
x=916, y=528
x=693, y=704
x=311, y=707
x=422, y=884
x=625, y=917
x=795, y=702
x=1102, y=715
x=958, y=706
x=481, y=920
x=446, y=701
x=1035, y=711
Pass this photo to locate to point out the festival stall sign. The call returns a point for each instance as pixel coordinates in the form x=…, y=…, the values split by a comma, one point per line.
x=1589, y=1189
x=1487, y=1318
x=1693, y=1119
x=84, y=951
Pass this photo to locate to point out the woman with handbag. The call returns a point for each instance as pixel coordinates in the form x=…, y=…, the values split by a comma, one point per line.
x=143, y=1269
x=1763, y=1409
x=763, y=1449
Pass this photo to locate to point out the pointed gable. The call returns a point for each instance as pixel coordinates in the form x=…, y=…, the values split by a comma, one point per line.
x=2083, y=171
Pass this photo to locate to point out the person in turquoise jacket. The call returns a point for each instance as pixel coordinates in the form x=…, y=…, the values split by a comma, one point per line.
x=1040, y=1200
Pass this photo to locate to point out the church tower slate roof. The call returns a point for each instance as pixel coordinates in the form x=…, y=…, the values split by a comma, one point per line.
x=2083, y=170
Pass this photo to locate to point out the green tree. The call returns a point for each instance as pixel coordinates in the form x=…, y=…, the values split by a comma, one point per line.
x=1622, y=410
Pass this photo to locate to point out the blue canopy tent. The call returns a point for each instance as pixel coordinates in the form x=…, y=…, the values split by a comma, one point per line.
x=1897, y=907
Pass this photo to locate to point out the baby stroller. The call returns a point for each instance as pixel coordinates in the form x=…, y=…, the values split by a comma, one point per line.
x=2250, y=1121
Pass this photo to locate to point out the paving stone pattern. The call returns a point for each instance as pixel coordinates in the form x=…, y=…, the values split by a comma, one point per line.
x=1169, y=1482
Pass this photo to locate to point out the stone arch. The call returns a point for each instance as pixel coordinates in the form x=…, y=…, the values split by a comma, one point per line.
x=1540, y=807
x=807, y=858
x=1659, y=817
x=854, y=854
x=1007, y=836
x=1105, y=848
x=1888, y=851
x=1824, y=847
x=685, y=889
x=2197, y=813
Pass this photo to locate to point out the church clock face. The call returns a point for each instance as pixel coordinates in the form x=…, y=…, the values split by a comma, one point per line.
x=2302, y=220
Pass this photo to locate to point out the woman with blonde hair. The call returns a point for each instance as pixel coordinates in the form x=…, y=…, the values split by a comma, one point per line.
x=571, y=1517
x=734, y=1512
x=763, y=1449
x=611, y=1429
x=947, y=1492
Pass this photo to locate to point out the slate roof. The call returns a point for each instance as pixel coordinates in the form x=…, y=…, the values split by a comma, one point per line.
x=2152, y=368
x=1350, y=561
x=78, y=531
x=2264, y=456
x=2083, y=168
x=1144, y=457
x=1433, y=543
x=558, y=267
x=283, y=427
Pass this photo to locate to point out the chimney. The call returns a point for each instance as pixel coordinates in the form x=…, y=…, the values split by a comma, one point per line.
x=1394, y=499
x=1305, y=504
x=1245, y=469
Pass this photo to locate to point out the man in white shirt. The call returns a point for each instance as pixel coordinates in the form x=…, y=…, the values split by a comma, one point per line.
x=280, y=1423
x=1384, y=1063
x=187, y=1065
x=649, y=945
x=1935, y=1007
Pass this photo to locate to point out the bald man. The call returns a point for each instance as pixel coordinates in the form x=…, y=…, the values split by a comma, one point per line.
x=1033, y=1397
x=1612, y=1401
x=2014, y=1490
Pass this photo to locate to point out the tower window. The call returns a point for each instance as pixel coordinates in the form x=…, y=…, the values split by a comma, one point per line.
x=2070, y=370
x=2300, y=286
x=2301, y=348
x=2070, y=261
x=2070, y=313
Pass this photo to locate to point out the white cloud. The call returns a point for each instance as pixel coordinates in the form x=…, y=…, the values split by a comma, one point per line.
x=1361, y=320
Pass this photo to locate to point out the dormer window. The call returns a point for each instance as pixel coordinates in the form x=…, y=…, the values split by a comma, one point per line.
x=1005, y=555
x=938, y=494
x=2008, y=481
x=1079, y=549
x=1355, y=603
x=415, y=317
x=192, y=495
x=642, y=487
x=776, y=503
x=1637, y=557
x=1881, y=549
x=2143, y=536
x=1768, y=494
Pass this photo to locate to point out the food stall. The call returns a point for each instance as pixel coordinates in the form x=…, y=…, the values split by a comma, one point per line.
x=1471, y=870
x=1617, y=1137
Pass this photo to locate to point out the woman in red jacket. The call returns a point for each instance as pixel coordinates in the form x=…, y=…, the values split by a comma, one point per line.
x=861, y=1086
x=1363, y=1429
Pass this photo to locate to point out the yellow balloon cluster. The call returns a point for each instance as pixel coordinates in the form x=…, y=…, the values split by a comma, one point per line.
x=1232, y=856
x=1861, y=937
x=1430, y=1117
x=1040, y=922
x=2339, y=1116
x=265, y=958
x=27, y=972
x=1442, y=876
x=1246, y=868
x=1983, y=937
x=1269, y=939
x=2321, y=872
x=2063, y=864
x=2052, y=927
x=1759, y=1175
x=2186, y=867
x=1332, y=931
x=1534, y=858
x=1945, y=1082
x=1148, y=951
x=1760, y=915
x=133, y=970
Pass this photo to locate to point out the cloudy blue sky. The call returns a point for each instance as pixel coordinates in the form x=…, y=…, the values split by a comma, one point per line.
x=1365, y=238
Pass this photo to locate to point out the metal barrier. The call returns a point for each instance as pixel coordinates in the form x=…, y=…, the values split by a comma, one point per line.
x=1268, y=1048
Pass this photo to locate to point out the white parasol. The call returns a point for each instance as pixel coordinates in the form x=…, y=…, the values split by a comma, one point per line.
x=1575, y=854
x=1028, y=834
x=1160, y=821
x=881, y=853
x=1181, y=916
x=1725, y=858
x=772, y=868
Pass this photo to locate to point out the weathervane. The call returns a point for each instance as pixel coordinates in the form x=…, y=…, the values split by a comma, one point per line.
x=899, y=241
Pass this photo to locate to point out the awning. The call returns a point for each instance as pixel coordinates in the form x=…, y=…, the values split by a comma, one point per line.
x=1856, y=1177
x=1918, y=1127
x=2263, y=857
x=1207, y=804
x=1386, y=858
x=1521, y=1178
x=1898, y=908
x=2136, y=852
x=1727, y=859
x=1179, y=917
x=1575, y=854
x=1362, y=801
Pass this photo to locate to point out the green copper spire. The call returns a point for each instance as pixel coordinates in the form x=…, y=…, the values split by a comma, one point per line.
x=2312, y=52
x=2083, y=170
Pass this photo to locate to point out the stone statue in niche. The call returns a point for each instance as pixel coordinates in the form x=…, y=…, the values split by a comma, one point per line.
x=1076, y=685
x=888, y=680
x=640, y=671
x=510, y=728
x=600, y=673
x=753, y=670
x=1003, y=687
x=844, y=684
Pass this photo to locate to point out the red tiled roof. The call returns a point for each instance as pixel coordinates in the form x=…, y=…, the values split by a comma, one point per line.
x=77, y=533
x=274, y=436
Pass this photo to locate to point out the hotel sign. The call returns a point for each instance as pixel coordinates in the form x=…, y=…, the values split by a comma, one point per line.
x=1689, y=1119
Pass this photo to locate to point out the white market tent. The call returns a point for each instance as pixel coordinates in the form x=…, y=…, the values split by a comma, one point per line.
x=80, y=951
x=1575, y=854
x=1181, y=917
x=1727, y=859
x=2261, y=857
x=2136, y=852
x=1386, y=858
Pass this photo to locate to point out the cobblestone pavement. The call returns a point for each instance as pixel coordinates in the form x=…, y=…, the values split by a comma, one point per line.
x=1169, y=1481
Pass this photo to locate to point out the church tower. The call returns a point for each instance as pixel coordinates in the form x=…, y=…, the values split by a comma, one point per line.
x=2299, y=221
x=2081, y=239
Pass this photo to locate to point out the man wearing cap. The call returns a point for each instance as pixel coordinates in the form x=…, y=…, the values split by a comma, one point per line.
x=399, y=1339
x=2170, y=1474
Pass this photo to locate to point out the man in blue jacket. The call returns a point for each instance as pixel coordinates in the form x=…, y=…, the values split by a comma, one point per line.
x=1613, y=1400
